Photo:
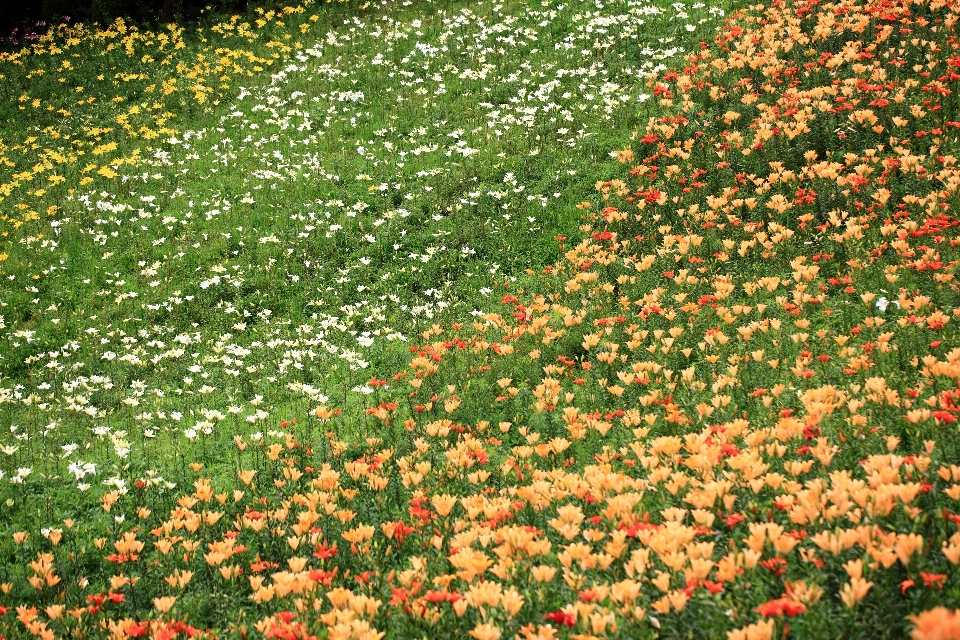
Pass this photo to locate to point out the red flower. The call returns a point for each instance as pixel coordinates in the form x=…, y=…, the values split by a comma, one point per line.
x=777, y=565
x=323, y=577
x=734, y=519
x=729, y=450
x=401, y=531
x=362, y=578
x=441, y=596
x=633, y=529
x=562, y=618
x=398, y=596
x=182, y=627
x=933, y=579
x=325, y=551
x=781, y=606
x=713, y=587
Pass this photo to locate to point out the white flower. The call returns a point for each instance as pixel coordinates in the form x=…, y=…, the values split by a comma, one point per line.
x=117, y=482
x=882, y=304
x=82, y=469
x=259, y=415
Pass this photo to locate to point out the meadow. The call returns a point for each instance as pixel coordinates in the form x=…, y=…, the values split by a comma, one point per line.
x=483, y=319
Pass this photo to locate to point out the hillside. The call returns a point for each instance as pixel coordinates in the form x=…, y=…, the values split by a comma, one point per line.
x=550, y=320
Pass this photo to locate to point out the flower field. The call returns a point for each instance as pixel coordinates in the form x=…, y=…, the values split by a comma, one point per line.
x=533, y=320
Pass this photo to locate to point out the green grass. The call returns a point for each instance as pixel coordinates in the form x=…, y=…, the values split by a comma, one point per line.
x=374, y=180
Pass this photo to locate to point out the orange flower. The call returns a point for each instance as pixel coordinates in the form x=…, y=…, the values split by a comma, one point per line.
x=443, y=504
x=486, y=631
x=26, y=615
x=164, y=604
x=937, y=624
x=854, y=591
x=762, y=630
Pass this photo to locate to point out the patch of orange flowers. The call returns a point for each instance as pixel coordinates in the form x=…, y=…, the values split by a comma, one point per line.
x=733, y=401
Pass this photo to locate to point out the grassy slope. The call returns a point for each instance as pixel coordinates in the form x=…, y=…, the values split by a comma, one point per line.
x=744, y=373
x=305, y=215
